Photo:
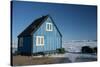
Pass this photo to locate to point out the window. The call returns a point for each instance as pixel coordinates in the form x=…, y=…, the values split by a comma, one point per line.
x=21, y=41
x=49, y=27
x=39, y=40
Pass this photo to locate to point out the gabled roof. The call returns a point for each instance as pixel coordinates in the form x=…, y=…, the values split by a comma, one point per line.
x=34, y=26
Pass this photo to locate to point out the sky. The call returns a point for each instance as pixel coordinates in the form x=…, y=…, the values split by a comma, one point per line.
x=75, y=22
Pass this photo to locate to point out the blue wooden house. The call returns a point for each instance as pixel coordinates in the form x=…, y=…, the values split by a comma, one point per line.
x=42, y=35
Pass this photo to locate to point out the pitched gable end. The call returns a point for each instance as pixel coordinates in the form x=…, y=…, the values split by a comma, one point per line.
x=35, y=25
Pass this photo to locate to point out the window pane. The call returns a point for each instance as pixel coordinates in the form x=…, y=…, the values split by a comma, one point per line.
x=21, y=41
x=41, y=40
x=38, y=40
x=48, y=26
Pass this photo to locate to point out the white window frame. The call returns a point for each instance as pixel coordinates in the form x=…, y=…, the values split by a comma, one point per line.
x=39, y=41
x=50, y=25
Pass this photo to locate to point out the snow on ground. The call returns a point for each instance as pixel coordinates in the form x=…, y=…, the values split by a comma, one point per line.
x=79, y=57
x=73, y=57
x=75, y=46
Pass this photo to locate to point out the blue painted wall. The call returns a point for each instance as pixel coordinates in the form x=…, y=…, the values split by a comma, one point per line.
x=52, y=39
x=27, y=44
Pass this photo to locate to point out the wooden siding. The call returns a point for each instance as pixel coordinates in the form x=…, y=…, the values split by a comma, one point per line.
x=52, y=39
x=27, y=45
